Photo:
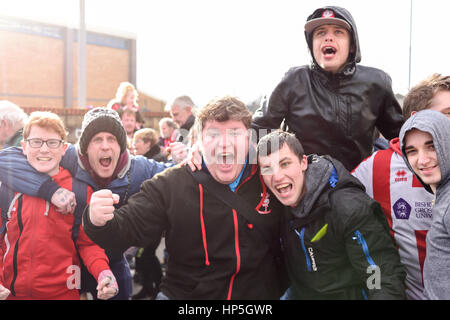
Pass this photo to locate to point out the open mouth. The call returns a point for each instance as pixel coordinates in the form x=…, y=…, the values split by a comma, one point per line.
x=284, y=188
x=44, y=159
x=328, y=50
x=225, y=158
x=105, y=161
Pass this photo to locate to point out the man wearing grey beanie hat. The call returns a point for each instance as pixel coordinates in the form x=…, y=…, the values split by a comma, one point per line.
x=102, y=120
x=100, y=159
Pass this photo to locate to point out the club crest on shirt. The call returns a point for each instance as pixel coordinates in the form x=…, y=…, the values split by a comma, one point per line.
x=264, y=209
x=402, y=209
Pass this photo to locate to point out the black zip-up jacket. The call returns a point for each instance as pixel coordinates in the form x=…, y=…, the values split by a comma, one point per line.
x=214, y=252
x=338, y=246
x=334, y=114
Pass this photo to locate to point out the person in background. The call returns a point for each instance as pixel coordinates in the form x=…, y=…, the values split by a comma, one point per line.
x=128, y=118
x=425, y=145
x=37, y=250
x=126, y=98
x=148, y=266
x=168, y=131
x=334, y=104
x=12, y=120
x=335, y=238
x=181, y=111
x=405, y=202
x=145, y=143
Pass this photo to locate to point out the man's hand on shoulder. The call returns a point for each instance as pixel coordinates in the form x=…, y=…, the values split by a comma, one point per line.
x=64, y=201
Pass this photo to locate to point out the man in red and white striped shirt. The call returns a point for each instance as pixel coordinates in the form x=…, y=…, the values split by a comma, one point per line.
x=406, y=204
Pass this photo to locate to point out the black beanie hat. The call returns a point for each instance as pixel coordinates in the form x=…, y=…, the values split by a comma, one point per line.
x=102, y=120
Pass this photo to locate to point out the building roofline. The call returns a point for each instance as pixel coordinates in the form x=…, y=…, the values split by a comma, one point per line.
x=57, y=23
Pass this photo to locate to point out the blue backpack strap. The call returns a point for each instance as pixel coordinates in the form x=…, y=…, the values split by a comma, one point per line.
x=80, y=190
x=6, y=196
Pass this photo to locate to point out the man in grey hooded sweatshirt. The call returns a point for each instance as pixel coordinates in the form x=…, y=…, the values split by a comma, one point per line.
x=425, y=145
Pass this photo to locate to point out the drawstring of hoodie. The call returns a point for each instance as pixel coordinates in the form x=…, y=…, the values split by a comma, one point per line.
x=202, y=223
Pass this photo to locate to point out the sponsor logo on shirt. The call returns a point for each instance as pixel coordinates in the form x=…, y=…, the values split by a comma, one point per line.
x=423, y=209
x=400, y=176
x=402, y=209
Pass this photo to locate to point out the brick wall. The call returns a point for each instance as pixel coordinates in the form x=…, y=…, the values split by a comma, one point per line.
x=31, y=69
x=106, y=68
x=38, y=65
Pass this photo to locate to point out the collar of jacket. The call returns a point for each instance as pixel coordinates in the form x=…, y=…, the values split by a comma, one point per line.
x=189, y=122
x=328, y=76
x=120, y=174
x=154, y=150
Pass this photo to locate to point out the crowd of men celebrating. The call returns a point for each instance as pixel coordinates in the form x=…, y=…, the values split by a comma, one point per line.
x=307, y=211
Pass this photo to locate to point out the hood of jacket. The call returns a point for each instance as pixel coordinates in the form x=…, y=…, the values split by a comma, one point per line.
x=323, y=173
x=354, y=56
x=438, y=126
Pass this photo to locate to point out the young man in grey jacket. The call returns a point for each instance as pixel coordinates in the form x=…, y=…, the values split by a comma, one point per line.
x=425, y=145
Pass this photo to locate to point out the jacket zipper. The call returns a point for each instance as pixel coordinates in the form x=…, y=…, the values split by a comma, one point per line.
x=301, y=235
x=16, y=247
x=362, y=242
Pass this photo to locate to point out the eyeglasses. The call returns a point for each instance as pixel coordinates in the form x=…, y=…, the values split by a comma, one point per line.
x=51, y=143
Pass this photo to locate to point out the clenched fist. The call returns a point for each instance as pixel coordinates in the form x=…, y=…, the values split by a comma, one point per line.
x=101, y=207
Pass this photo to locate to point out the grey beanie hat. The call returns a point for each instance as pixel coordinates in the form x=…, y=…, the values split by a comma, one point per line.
x=102, y=120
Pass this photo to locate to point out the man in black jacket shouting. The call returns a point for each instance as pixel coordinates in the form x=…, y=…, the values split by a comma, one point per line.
x=221, y=224
x=335, y=238
x=334, y=104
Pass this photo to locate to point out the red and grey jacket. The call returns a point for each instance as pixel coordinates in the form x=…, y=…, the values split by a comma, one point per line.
x=38, y=256
x=214, y=252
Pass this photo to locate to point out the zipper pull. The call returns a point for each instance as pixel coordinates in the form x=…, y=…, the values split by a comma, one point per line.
x=357, y=237
x=47, y=208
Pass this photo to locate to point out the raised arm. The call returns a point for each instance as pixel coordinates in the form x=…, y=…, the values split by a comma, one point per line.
x=274, y=109
x=19, y=175
x=271, y=112
x=138, y=223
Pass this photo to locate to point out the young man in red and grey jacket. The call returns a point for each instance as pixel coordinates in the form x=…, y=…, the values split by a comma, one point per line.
x=39, y=256
x=217, y=249
x=405, y=202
